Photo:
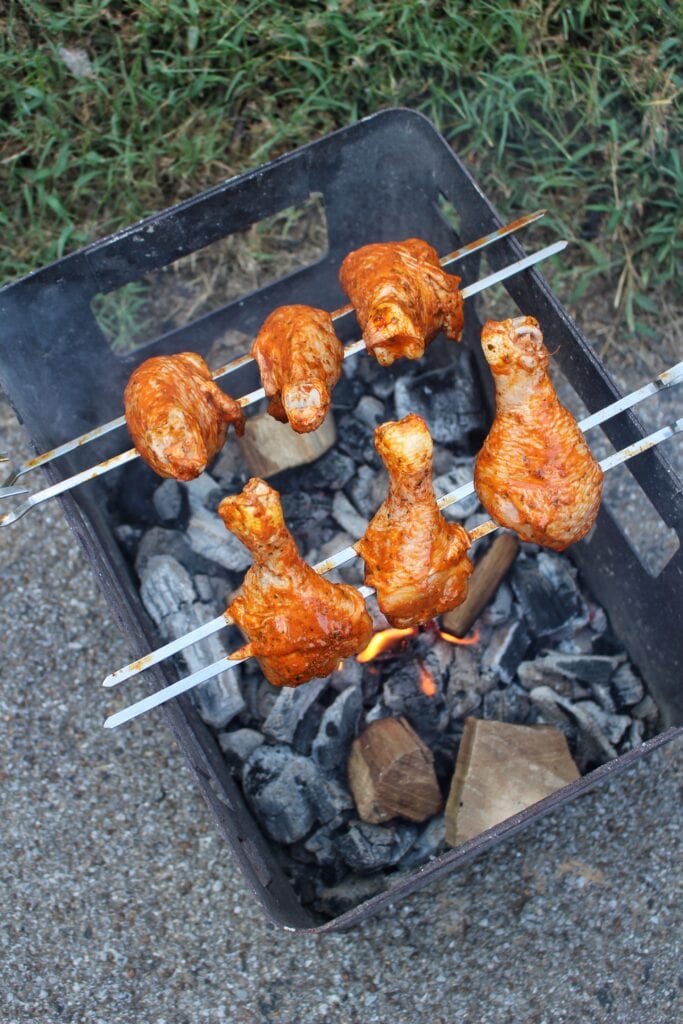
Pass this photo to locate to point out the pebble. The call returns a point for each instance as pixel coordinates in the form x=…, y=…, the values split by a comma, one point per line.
x=280, y=785
x=429, y=843
x=201, y=492
x=367, y=848
x=165, y=587
x=290, y=707
x=368, y=489
x=510, y=704
x=612, y=726
x=508, y=644
x=160, y=541
x=452, y=409
x=546, y=590
x=402, y=695
x=208, y=537
x=337, y=730
x=238, y=745
x=347, y=516
x=627, y=686
x=356, y=438
x=370, y=411
x=500, y=608
x=331, y=471
x=593, y=746
x=168, y=502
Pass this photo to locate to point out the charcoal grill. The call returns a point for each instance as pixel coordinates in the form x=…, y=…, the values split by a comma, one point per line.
x=380, y=179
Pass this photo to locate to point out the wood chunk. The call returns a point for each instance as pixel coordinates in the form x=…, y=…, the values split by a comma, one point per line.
x=269, y=446
x=391, y=774
x=488, y=574
x=501, y=769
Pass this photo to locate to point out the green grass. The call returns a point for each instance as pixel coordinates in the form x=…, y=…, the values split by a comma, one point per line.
x=576, y=107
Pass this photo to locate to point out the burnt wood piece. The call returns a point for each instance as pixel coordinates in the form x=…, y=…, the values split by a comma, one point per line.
x=488, y=574
x=501, y=770
x=269, y=446
x=391, y=774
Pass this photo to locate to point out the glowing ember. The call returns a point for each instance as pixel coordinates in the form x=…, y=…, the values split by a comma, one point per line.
x=467, y=641
x=383, y=640
x=427, y=682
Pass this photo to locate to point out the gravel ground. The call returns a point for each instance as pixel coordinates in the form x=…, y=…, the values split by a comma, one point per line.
x=120, y=903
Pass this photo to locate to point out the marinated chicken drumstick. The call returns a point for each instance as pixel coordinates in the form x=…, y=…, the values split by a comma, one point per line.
x=535, y=473
x=300, y=359
x=414, y=558
x=298, y=624
x=177, y=417
x=402, y=297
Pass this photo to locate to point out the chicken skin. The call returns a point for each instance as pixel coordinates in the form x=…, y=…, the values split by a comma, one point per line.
x=300, y=359
x=402, y=298
x=535, y=473
x=177, y=417
x=415, y=560
x=298, y=624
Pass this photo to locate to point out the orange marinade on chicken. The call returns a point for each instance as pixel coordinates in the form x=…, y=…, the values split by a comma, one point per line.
x=300, y=359
x=298, y=624
x=414, y=558
x=177, y=417
x=402, y=297
x=535, y=473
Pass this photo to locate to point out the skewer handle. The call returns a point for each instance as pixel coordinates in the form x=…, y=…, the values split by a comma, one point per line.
x=68, y=446
x=65, y=485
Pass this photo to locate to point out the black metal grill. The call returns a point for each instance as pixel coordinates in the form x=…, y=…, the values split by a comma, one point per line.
x=380, y=179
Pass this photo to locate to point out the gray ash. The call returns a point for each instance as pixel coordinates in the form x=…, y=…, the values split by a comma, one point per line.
x=545, y=651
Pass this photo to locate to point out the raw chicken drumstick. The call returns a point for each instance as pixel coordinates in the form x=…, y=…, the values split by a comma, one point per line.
x=535, y=473
x=415, y=560
x=402, y=297
x=177, y=417
x=300, y=359
x=298, y=624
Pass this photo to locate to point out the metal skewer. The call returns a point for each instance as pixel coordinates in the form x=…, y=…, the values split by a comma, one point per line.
x=119, y=460
x=222, y=371
x=667, y=379
x=9, y=492
x=189, y=682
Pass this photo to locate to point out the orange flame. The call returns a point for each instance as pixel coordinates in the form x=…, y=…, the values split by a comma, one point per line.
x=383, y=640
x=467, y=641
x=427, y=682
